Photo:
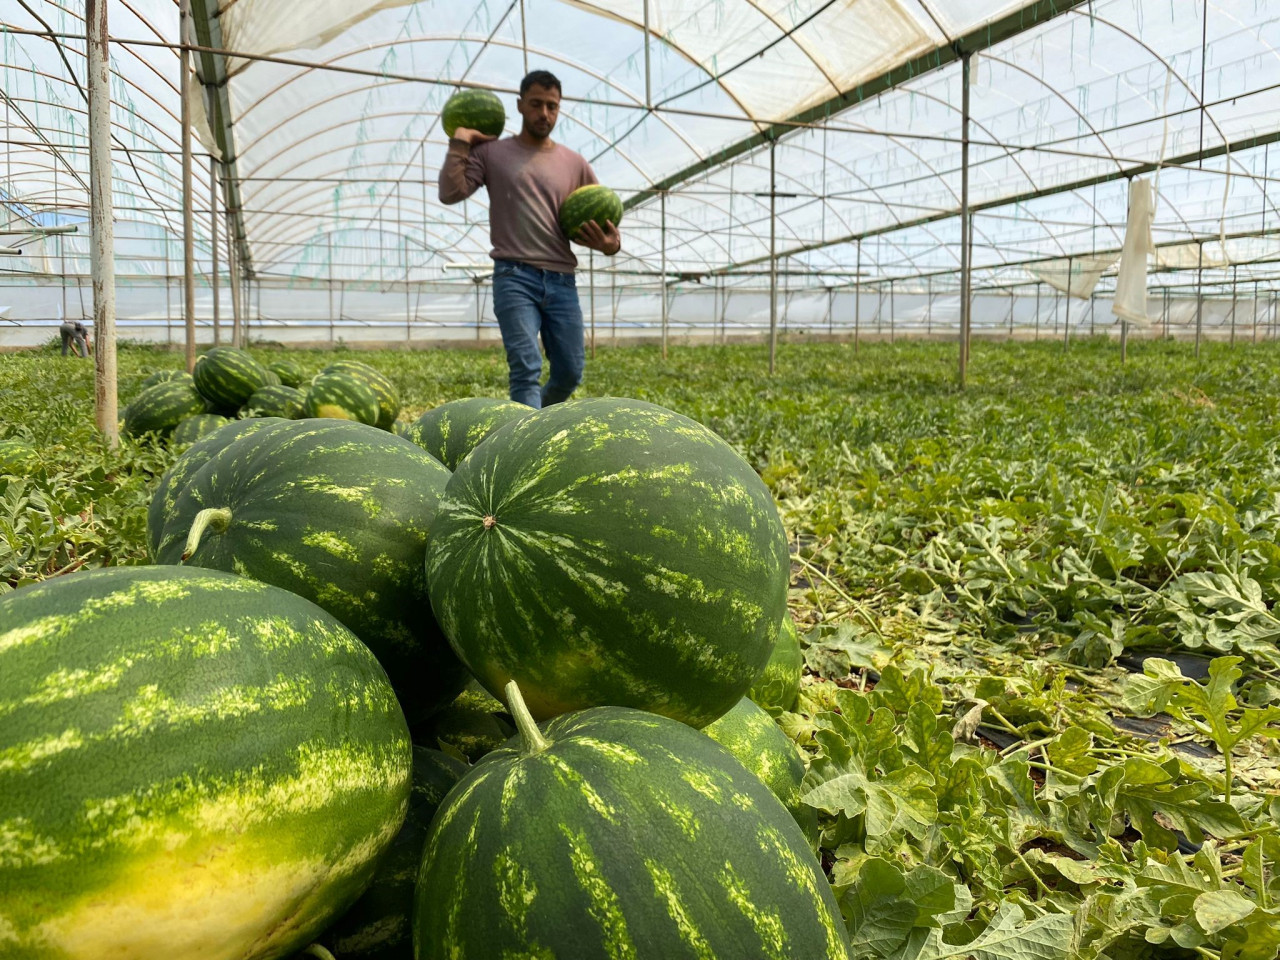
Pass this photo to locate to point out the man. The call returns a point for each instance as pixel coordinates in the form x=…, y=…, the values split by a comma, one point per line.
x=534, y=291
x=74, y=331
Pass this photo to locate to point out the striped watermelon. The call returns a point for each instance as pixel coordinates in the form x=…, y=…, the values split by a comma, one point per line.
x=778, y=687
x=193, y=428
x=388, y=397
x=452, y=430
x=227, y=377
x=340, y=396
x=475, y=110
x=610, y=552
x=275, y=401
x=158, y=409
x=164, y=376
x=291, y=374
x=617, y=833
x=184, y=468
x=379, y=925
x=338, y=513
x=592, y=202
x=192, y=766
x=759, y=744
x=472, y=725
x=17, y=456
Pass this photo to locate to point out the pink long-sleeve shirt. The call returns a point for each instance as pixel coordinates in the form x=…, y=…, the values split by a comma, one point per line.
x=526, y=187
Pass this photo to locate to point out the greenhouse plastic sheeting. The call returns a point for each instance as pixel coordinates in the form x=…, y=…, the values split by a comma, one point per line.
x=335, y=170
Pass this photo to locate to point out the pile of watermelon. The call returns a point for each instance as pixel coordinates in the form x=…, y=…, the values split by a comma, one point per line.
x=230, y=384
x=496, y=687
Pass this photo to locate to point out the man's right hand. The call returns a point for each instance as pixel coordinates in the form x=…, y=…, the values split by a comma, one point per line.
x=467, y=135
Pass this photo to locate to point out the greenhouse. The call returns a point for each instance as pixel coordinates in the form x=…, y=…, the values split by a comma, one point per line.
x=646, y=480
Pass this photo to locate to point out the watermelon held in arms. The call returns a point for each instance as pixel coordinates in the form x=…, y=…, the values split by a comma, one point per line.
x=340, y=396
x=592, y=202
x=193, y=428
x=759, y=744
x=338, y=513
x=196, y=765
x=610, y=552
x=160, y=408
x=388, y=398
x=617, y=833
x=778, y=687
x=474, y=110
x=452, y=430
x=184, y=468
x=379, y=926
x=275, y=401
x=227, y=377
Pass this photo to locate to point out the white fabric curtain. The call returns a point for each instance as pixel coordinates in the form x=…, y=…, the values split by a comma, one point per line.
x=1131, y=282
x=1074, y=276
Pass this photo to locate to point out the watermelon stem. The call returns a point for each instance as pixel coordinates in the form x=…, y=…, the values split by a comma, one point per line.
x=534, y=741
x=316, y=950
x=216, y=518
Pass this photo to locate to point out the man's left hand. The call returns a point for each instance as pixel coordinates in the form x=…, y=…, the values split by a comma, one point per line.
x=605, y=239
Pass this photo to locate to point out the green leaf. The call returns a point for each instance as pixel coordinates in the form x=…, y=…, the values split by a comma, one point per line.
x=1010, y=936
x=1259, y=939
x=1219, y=909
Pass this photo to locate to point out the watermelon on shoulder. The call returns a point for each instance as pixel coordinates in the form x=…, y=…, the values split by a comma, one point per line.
x=476, y=110
x=592, y=202
x=452, y=430
x=194, y=765
x=340, y=396
x=617, y=833
x=160, y=408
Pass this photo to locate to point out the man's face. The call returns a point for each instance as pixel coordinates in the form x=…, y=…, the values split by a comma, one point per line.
x=540, y=109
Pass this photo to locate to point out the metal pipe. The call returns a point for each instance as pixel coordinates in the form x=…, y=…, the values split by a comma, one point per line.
x=1124, y=340
x=188, y=227
x=648, y=87
x=591, y=273
x=1066, y=320
x=213, y=252
x=663, y=284
x=1038, y=311
x=1199, y=295
x=857, y=301
x=1235, y=293
x=773, y=259
x=102, y=261
x=966, y=251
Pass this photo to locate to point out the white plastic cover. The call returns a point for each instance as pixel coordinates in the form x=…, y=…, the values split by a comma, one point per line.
x=1131, y=281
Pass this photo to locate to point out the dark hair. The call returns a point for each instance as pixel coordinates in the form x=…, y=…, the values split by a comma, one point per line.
x=541, y=78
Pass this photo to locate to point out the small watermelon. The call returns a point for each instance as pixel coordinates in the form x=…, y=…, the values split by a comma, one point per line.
x=194, y=765
x=452, y=430
x=184, y=468
x=228, y=377
x=17, y=456
x=778, y=687
x=340, y=396
x=475, y=110
x=758, y=742
x=379, y=925
x=193, y=428
x=164, y=376
x=592, y=202
x=388, y=397
x=618, y=833
x=290, y=373
x=275, y=401
x=610, y=552
x=158, y=409
x=338, y=513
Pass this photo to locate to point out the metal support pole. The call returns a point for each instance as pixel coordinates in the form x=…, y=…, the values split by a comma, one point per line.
x=928, y=308
x=329, y=243
x=1066, y=320
x=966, y=251
x=613, y=309
x=102, y=262
x=773, y=256
x=1199, y=295
x=213, y=252
x=1166, y=313
x=1011, y=313
x=188, y=215
x=233, y=268
x=831, y=310
x=524, y=38
x=591, y=273
x=1124, y=340
x=1234, y=295
x=662, y=284
x=1255, y=313
x=479, y=306
x=893, y=312
x=724, y=310
x=1038, y=283
x=857, y=299
x=648, y=86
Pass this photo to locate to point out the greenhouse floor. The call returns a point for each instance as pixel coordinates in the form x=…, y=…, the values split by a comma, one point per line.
x=1034, y=612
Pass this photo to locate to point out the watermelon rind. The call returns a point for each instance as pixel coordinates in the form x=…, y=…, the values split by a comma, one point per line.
x=471, y=725
x=227, y=377
x=379, y=926
x=275, y=400
x=452, y=430
x=158, y=409
x=760, y=745
x=610, y=551
x=291, y=374
x=592, y=202
x=17, y=456
x=612, y=832
x=340, y=396
x=338, y=513
x=164, y=376
x=195, y=765
x=476, y=110
x=778, y=687
x=184, y=468
x=388, y=397
x=193, y=428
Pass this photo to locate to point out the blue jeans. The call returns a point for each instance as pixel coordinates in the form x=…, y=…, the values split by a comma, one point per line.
x=528, y=302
